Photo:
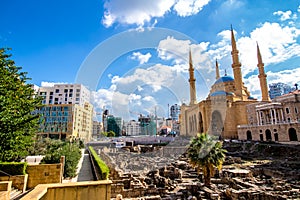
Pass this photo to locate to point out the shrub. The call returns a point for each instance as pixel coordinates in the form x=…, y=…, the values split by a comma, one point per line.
x=104, y=170
x=14, y=168
x=72, y=154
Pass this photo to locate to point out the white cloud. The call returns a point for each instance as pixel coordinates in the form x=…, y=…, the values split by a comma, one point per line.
x=141, y=12
x=148, y=98
x=178, y=51
x=142, y=58
x=283, y=15
x=189, y=7
x=298, y=9
x=155, y=76
x=136, y=12
x=277, y=43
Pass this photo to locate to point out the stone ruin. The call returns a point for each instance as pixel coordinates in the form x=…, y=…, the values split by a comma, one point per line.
x=253, y=172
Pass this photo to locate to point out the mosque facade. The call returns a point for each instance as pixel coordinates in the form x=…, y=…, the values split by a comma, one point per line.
x=226, y=104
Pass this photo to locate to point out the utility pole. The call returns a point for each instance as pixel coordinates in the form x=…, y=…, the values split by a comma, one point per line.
x=155, y=121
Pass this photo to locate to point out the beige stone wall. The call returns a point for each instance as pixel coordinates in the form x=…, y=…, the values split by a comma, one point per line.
x=89, y=190
x=44, y=173
x=18, y=181
x=5, y=188
x=281, y=129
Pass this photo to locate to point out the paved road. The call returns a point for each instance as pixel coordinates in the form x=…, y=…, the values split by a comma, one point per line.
x=85, y=172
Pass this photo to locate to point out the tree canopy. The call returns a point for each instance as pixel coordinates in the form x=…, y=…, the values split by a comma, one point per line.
x=18, y=105
x=206, y=153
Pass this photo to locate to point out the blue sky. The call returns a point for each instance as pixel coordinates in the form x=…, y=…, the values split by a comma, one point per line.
x=133, y=54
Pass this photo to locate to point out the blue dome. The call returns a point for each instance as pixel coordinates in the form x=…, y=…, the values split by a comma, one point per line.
x=224, y=79
x=220, y=93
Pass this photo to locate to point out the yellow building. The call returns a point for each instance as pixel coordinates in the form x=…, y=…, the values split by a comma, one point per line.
x=66, y=121
x=225, y=106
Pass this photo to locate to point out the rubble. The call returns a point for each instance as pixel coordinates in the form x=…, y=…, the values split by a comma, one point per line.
x=252, y=172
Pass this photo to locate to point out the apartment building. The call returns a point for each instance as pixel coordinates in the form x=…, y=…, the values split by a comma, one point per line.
x=65, y=94
x=132, y=128
x=67, y=114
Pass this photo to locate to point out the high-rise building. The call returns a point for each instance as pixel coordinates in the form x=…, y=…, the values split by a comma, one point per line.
x=175, y=111
x=67, y=113
x=278, y=89
x=65, y=94
x=97, y=129
x=112, y=123
x=148, y=125
x=66, y=121
x=132, y=128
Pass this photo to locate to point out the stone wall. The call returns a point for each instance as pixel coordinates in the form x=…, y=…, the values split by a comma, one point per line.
x=18, y=181
x=5, y=188
x=89, y=190
x=42, y=174
x=282, y=130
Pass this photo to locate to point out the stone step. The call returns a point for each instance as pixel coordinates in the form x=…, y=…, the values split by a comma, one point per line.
x=14, y=193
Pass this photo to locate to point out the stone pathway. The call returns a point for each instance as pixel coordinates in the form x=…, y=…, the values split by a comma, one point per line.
x=84, y=169
x=85, y=173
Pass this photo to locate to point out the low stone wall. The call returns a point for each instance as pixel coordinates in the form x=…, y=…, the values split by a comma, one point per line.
x=18, y=181
x=89, y=190
x=42, y=174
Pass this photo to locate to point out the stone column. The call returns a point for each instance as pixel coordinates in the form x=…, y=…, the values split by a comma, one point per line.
x=282, y=117
x=258, y=118
x=275, y=116
x=271, y=116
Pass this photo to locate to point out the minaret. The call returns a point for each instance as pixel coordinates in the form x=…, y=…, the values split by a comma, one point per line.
x=217, y=70
x=236, y=66
x=262, y=77
x=192, y=81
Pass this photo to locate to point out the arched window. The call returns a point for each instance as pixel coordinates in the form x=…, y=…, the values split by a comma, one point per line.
x=200, y=121
x=293, y=134
x=217, y=125
x=268, y=135
x=249, y=135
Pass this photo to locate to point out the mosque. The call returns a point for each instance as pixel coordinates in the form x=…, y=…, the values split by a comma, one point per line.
x=225, y=107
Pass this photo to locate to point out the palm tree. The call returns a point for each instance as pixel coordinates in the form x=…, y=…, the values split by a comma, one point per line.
x=206, y=153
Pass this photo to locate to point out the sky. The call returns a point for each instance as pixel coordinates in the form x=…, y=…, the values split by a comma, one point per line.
x=133, y=54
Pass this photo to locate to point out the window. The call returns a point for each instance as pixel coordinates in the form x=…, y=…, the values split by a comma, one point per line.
x=287, y=110
x=77, y=90
x=296, y=110
x=57, y=91
x=66, y=90
x=51, y=93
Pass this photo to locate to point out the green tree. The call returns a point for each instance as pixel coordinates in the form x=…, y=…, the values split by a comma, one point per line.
x=57, y=148
x=111, y=134
x=206, y=153
x=18, y=119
